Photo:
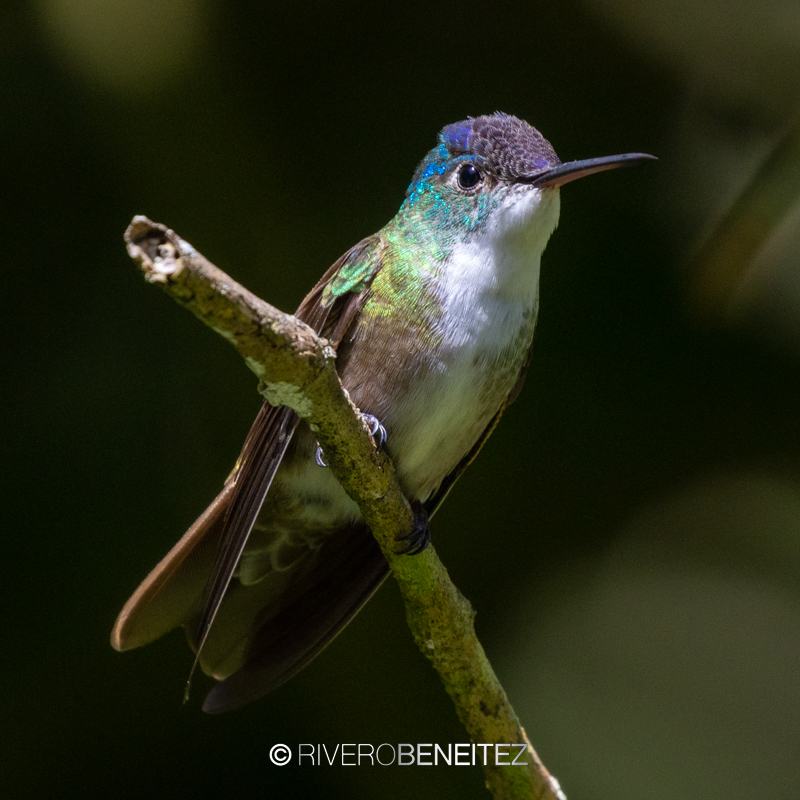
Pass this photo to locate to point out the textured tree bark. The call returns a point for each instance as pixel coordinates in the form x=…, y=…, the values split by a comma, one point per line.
x=297, y=368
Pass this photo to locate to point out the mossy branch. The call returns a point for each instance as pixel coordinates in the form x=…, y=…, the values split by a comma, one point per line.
x=297, y=368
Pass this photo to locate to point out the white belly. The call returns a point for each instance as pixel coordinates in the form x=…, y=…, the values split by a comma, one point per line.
x=446, y=411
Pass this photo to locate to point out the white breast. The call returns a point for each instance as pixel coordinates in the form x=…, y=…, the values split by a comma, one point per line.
x=489, y=293
x=492, y=278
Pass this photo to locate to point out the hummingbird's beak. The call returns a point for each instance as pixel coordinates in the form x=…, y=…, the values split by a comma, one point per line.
x=564, y=173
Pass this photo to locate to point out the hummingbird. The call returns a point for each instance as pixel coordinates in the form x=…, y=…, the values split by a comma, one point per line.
x=432, y=319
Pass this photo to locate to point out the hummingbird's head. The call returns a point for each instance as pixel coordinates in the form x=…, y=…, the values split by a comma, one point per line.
x=499, y=147
x=496, y=163
x=476, y=163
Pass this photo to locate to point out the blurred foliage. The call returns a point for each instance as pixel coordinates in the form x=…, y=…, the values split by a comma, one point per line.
x=630, y=534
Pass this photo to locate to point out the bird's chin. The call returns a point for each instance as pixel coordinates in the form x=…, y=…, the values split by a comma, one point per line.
x=529, y=214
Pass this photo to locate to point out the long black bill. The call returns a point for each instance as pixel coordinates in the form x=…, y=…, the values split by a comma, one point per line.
x=564, y=173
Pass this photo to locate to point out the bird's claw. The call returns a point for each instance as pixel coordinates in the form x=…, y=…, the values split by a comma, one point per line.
x=376, y=431
x=420, y=536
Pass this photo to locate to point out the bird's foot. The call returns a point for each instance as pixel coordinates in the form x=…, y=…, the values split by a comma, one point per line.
x=376, y=431
x=420, y=536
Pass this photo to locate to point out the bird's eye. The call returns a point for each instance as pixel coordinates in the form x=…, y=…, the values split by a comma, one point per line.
x=469, y=176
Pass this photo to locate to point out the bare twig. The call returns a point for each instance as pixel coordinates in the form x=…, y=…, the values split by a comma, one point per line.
x=296, y=368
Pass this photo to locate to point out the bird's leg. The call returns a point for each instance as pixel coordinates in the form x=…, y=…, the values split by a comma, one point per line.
x=420, y=536
x=376, y=431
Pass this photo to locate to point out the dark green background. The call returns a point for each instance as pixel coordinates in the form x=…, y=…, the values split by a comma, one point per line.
x=285, y=137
